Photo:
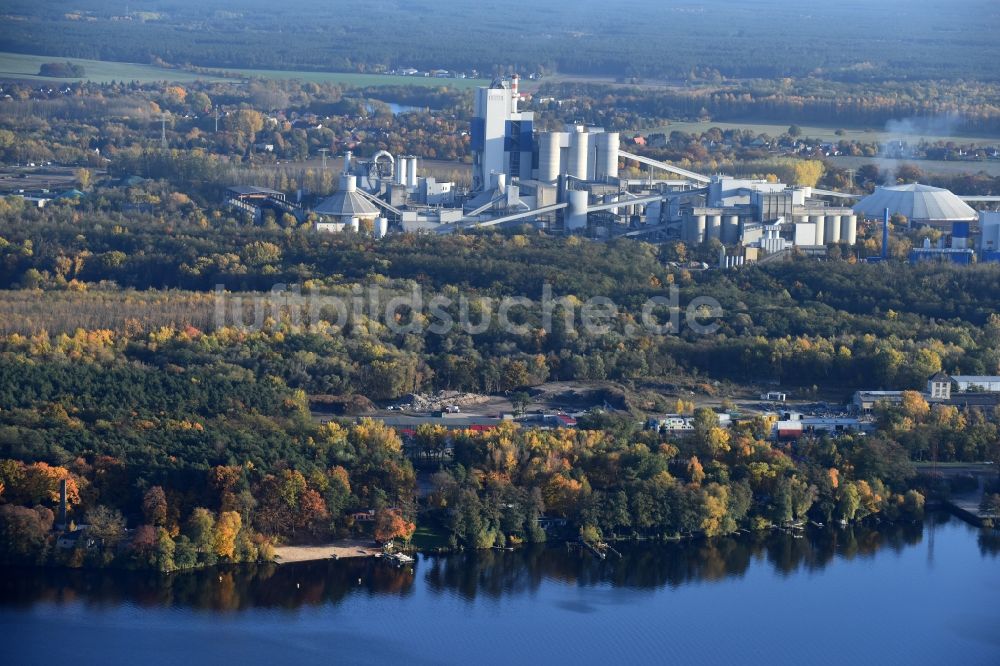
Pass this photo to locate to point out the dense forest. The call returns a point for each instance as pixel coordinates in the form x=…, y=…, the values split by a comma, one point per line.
x=835, y=323
x=177, y=433
x=933, y=107
x=185, y=440
x=842, y=41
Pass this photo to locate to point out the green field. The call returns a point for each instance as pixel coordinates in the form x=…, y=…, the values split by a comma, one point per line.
x=822, y=133
x=21, y=66
x=428, y=538
x=936, y=167
x=360, y=80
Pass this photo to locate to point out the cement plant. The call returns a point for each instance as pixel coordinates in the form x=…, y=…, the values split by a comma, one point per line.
x=568, y=182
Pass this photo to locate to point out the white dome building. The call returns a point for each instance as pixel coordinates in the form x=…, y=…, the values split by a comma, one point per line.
x=347, y=208
x=920, y=204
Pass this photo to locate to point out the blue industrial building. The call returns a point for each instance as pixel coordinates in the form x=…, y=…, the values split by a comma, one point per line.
x=951, y=255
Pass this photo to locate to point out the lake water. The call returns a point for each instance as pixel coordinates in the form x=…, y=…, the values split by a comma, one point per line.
x=906, y=594
x=396, y=109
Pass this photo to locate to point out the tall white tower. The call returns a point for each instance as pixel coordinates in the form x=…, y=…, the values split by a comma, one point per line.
x=501, y=135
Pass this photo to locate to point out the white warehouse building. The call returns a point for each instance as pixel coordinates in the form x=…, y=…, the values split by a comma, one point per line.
x=980, y=383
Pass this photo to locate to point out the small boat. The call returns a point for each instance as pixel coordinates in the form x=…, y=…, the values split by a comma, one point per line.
x=401, y=559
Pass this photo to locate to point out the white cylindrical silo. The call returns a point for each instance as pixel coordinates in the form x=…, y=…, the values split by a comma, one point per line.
x=348, y=183
x=411, y=173
x=699, y=229
x=608, y=144
x=401, y=166
x=848, y=229
x=381, y=227
x=714, y=227
x=831, y=234
x=548, y=156
x=355, y=224
x=576, y=213
x=818, y=220
x=579, y=144
x=730, y=229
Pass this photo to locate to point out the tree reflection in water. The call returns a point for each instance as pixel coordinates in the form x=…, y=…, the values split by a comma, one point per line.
x=651, y=566
x=469, y=574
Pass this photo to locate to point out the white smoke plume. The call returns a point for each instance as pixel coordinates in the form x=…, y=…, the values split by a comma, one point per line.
x=903, y=135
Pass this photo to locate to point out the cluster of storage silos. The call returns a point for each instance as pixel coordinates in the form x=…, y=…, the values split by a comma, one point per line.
x=405, y=171
x=832, y=228
x=583, y=154
x=701, y=225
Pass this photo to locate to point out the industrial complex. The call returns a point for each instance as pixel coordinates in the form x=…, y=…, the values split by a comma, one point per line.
x=569, y=181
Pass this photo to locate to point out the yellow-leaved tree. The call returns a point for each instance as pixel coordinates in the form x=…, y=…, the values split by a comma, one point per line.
x=227, y=527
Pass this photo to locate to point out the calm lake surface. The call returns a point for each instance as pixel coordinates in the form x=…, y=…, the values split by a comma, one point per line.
x=906, y=594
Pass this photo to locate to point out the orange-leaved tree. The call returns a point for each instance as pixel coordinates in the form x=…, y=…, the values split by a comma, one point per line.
x=390, y=524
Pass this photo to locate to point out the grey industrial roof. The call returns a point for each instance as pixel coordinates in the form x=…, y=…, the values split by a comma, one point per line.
x=345, y=203
x=985, y=379
x=252, y=189
x=916, y=202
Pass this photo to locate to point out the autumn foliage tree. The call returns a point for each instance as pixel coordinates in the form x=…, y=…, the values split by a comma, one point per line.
x=154, y=506
x=226, y=530
x=23, y=533
x=36, y=483
x=390, y=524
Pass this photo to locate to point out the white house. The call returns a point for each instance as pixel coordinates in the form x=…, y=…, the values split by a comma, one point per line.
x=939, y=387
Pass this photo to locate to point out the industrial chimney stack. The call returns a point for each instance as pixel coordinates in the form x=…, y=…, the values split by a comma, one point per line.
x=62, y=502
x=885, y=235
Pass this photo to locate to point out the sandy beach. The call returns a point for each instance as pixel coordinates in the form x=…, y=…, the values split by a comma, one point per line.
x=336, y=550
